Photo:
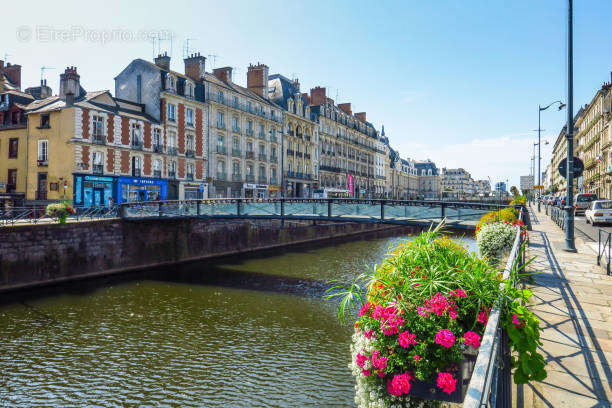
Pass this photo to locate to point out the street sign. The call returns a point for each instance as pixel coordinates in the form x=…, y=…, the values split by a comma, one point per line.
x=578, y=167
x=539, y=187
x=526, y=183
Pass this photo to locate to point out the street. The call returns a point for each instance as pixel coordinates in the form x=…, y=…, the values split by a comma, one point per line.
x=587, y=231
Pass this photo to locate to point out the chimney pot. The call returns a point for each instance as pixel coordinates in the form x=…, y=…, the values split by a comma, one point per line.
x=257, y=79
x=195, y=67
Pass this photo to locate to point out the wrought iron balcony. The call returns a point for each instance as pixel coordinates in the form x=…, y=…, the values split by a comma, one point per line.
x=158, y=148
x=262, y=180
x=97, y=169
x=273, y=139
x=290, y=152
x=157, y=173
x=307, y=156
x=250, y=154
x=273, y=159
x=42, y=162
x=98, y=139
x=262, y=157
x=190, y=176
x=236, y=152
x=262, y=135
x=137, y=144
x=298, y=154
x=249, y=132
x=221, y=176
x=236, y=177
x=136, y=172
x=221, y=149
x=173, y=150
x=190, y=153
x=250, y=178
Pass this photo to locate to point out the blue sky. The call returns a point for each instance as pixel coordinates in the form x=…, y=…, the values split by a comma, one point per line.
x=457, y=81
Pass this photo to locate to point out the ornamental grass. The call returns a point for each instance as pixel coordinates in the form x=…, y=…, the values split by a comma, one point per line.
x=420, y=311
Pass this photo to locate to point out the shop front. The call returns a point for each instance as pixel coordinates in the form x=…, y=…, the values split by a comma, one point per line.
x=226, y=189
x=193, y=191
x=274, y=191
x=94, y=191
x=134, y=189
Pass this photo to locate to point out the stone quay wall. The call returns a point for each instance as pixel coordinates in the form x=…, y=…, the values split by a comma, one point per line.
x=43, y=254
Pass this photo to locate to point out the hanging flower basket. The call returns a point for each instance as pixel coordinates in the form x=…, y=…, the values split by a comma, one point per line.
x=60, y=211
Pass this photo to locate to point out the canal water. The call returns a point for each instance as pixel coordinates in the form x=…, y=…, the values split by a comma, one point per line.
x=249, y=331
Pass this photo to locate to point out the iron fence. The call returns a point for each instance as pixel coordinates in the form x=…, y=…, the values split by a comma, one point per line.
x=37, y=214
x=491, y=382
x=603, y=250
x=557, y=215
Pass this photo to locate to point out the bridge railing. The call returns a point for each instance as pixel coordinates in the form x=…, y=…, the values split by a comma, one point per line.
x=491, y=382
x=37, y=214
x=366, y=210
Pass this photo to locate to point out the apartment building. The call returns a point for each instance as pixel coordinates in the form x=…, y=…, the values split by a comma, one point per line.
x=177, y=102
x=430, y=181
x=300, y=137
x=457, y=183
x=347, y=147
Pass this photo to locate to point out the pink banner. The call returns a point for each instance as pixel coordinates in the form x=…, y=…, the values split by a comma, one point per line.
x=350, y=182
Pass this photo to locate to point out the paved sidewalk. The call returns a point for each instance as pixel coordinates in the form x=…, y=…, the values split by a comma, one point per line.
x=573, y=300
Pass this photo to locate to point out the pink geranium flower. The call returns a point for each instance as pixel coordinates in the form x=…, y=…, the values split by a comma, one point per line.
x=446, y=382
x=366, y=372
x=445, y=338
x=482, y=317
x=365, y=309
x=516, y=321
x=361, y=359
x=416, y=357
x=368, y=333
x=407, y=339
x=458, y=293
x=400, y=384
x=472, y=339
x=379, y=362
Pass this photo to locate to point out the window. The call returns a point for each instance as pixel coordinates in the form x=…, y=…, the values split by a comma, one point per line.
x=220, y=119
x=189, y=115
x=189, y=143
x=262, y=172
x=97, y=128
x=157, y=168
x=220, y=96
x=249, y=170
x=236, y=142
x=290, y=166
x=11, y=180
x=236, y=168
x=273, y=173
x=190, y=170
x=221, y=167
x=235, y=124
x=171, y=112
x=171, y=139
x=249, y=106
x=157, y=139
x=250, y=146
x=249, y=126
x=273, y=151
x=235, y=101
x=136, y=135
x=190, y=90
x=43, y=152
x=45, y=121
x=13, y=148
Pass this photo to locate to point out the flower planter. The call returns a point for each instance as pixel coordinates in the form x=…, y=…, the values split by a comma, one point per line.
x=429, y=391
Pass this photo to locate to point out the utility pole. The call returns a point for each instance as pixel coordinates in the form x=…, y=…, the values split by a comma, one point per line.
x=569, y=208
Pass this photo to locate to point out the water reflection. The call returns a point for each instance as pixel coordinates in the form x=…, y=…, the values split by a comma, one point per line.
x=245, y=331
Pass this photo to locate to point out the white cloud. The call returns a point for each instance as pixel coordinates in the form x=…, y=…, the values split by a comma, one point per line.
x=500, y=158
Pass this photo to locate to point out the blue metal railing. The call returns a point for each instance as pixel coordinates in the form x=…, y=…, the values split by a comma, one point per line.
x=491, y=382
x=338, y=209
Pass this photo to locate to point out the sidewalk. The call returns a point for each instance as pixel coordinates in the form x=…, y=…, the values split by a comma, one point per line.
x=573, y=300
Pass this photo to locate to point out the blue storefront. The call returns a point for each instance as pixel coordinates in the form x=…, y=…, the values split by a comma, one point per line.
x=131, y=189
x=94, y=190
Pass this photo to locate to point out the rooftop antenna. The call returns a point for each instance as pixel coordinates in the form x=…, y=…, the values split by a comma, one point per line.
x=186, y=47
x=42, y=72
x=214, y=59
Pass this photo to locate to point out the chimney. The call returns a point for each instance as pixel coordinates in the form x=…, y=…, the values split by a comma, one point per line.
x=224, y=74
x=361, y=116
x=296, y=85
x=163, y=61
x=69, y=99
x=317, y=96
x=12, y=72
x=69, y=84
x=195, y=66
x=257, y=79
x=346, y=107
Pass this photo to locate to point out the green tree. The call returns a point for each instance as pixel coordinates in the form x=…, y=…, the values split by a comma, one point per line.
x=514, y=191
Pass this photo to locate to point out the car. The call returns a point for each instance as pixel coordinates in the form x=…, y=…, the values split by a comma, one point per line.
x=582, y=201
x=599, y=212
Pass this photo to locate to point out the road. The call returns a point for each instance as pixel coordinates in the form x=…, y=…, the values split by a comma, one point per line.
x=586, y=231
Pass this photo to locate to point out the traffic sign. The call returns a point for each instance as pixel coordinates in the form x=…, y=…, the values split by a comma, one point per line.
x=539, y=187
x=578, y=167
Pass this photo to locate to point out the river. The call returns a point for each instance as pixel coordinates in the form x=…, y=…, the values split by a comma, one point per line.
x=251, y=331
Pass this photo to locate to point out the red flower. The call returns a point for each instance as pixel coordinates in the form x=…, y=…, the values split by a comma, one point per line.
x=446, y=382
x=472, y=339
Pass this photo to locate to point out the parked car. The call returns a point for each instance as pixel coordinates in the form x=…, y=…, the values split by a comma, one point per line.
x=599, y=212
x=583, y=201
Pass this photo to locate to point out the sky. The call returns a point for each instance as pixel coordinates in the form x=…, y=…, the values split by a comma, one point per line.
x=455, y=81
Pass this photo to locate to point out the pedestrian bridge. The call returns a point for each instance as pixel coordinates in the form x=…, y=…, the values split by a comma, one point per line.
x=405, y=212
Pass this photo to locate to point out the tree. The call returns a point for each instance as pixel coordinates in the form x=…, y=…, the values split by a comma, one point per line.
x=514, y=191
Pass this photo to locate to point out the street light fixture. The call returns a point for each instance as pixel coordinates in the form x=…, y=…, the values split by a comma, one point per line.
x=569, y=216
x=540, y=109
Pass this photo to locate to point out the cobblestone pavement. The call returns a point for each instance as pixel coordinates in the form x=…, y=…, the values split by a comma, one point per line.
x=573, y=300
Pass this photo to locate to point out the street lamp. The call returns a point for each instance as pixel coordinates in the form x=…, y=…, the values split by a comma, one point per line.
x=569, y=219
x=540, y=109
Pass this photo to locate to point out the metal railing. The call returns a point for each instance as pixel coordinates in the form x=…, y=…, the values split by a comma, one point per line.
x=557, y=215
x=603, y=249
x=491, y=382
x=37, y=214
x=405, y=212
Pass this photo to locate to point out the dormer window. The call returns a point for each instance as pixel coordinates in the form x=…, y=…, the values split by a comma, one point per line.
x=170, y=82
x=190, y=90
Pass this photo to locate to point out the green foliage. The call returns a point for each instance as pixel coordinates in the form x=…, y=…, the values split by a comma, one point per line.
x=509, y=215
x=60, y=211
x=494, y=239
x=514, y=191
x=519, y=200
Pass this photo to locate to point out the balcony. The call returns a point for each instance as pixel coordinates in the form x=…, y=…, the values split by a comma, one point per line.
x=250, y=154
x=136, y=172
x=236, y=152
x=137, y=144
x=262, y=180
x=250, y=178
x=273, y=159
x=307, y=138
x=307, y=156
x=42, y=162
x=172, y=175
x=262, y=135
x=190, y=176
x=221, y=125
x=221, y=176
x=263, y=157
x=299, y=175
x=221, y=149
x=236, y=177
x=157, y=173
x=98, y=139
x=298, y=135
x=172, y=150
x=291, y=133
x=290, y=174
x=273, y=180
x=290, y=152
x=236, y=129
x=299, y=154
x=98, y=169
x=273, y=139
x=158, y=148
x=249, y=132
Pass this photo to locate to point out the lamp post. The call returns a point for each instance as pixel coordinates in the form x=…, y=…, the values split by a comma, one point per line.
x=569, y=218
x=540, y=109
